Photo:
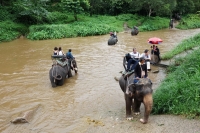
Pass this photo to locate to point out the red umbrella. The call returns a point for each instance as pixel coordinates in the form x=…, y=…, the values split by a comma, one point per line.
x=154, y=40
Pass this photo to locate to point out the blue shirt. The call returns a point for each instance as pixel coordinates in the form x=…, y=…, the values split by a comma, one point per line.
x=69, y=55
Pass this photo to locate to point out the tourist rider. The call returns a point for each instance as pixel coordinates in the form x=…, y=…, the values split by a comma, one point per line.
x=60, y=52
x=140, y=70
x=55, y=51
x=135, y=54
x=69, y=56
x=146, y=55
x=133, y=61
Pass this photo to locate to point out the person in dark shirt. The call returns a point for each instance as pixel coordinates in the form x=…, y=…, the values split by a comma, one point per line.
x=140, y=70
x=70, y=57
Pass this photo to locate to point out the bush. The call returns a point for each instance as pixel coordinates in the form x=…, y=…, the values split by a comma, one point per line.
x=57, y=18
x=10, y=30
x=190, y=21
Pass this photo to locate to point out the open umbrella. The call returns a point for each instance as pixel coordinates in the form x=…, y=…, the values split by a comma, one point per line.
x=154, y=40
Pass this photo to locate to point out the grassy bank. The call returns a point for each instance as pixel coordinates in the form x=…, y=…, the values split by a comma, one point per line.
x=10, y=31
x=190, y=21
x=62, y=25
x=184, y=45
x=179, y=93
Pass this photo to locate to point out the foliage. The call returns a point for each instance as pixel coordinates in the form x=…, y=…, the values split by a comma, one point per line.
x=190, y=21
x=179, y=93
x=32, y=11
x=93, y=26
x=10, y=30
x=5, y=14
x=158, y=7
x=57, y=18
x=183, y=46
x=153, y=23
x=75, y=6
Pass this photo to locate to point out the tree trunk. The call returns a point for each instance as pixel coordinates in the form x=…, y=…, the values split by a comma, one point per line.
x=150, y=11
x=75, y=17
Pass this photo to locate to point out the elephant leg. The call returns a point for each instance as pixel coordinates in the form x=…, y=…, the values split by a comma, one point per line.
x=136, y=106
x=69, y=73
x=148, y=103
x=128, y=101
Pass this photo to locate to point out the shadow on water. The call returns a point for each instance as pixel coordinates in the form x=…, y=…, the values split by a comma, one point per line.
x=90, y=101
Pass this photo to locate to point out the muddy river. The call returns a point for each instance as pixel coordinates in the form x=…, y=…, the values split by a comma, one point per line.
x=89, y=102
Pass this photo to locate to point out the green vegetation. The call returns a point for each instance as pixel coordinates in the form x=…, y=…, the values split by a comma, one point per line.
x=179, y=93
x=183, y=46
x=10, y=30
x=52, y=19
x=96, y=25
x=190, y=21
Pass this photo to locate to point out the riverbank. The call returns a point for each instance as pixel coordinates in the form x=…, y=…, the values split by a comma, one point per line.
x=89, y=26
x=179, y=93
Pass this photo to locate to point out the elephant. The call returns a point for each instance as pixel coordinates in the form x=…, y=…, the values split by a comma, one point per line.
x=154, y=59
x=134, y=31
x=112, y=40
x=140, y=92
x=171, y=22
x=58, y=73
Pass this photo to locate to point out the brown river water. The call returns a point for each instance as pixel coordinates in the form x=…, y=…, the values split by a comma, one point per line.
x=89, y=102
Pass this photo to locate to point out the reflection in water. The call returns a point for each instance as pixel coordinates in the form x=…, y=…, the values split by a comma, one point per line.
x=92, y=94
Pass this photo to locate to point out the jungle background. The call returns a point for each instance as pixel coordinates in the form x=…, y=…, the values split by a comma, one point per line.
x=54, y=19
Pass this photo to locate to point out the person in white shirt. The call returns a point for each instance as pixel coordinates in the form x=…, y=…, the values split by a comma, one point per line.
x=133, y=61
x=60, y=52
x=146, y=55
x=135, y=54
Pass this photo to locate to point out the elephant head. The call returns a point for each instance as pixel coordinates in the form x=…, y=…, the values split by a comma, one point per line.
x=58, y=74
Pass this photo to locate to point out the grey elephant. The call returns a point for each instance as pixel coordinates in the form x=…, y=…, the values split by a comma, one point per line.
x=134, y=31
x=59, y=72
x=112, y=40
x=154, y=59
x=135, y=94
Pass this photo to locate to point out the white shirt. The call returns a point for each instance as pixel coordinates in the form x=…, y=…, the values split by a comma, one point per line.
x=145, y=56
x=135, y=55
x=60, y=53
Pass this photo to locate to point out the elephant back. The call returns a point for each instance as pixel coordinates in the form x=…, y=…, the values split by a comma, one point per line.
x=112, y=40
x=134, y=32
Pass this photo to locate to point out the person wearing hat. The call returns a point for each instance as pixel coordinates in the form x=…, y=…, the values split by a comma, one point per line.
x=140, y=70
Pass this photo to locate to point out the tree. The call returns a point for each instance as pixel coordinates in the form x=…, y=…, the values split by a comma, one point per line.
x=32, y=10
x=75, y=6
x=153, y=6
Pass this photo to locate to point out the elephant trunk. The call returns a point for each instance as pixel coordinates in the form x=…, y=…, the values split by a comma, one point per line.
x=58, y=77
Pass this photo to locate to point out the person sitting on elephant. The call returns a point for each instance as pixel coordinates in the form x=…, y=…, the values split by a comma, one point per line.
x=132, y=61
x=135, y=54
x=140, y=70
x=70, y=57
x=60, y=52
x=113, y=35
x=55, y=51
x=146, y=55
